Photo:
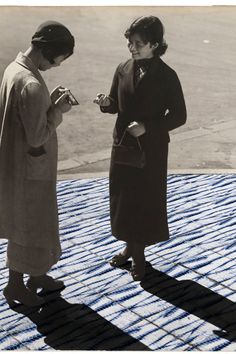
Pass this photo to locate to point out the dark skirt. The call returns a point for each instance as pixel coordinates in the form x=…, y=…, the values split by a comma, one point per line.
x=138, y=198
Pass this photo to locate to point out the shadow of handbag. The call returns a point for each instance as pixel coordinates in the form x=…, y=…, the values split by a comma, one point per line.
x=133, y=156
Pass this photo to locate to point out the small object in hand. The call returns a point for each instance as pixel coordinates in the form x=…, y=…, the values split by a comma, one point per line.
x=99, y=97
x=133, y=124
x=103, y=100
x=71, y=98
x=135, y=128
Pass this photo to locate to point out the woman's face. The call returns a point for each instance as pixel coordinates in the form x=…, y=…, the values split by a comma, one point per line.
x=138, y=48
x=46, y=65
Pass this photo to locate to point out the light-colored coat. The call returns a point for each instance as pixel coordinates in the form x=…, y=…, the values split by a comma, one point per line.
x=28, y=157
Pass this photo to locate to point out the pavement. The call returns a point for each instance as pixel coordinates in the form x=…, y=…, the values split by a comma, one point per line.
x=211, y=149
x=186, y=302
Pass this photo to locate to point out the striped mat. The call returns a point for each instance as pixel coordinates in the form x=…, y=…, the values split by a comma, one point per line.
x=185, y=303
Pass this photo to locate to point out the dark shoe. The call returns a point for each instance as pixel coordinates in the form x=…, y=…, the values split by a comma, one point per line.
x=45, y=282
x=138, y=270
x=119, y=260
x=23, y=296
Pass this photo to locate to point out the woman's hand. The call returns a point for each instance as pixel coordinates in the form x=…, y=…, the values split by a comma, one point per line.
x=136, y=129
x=57, y=92
x=102, y=100
x=63, y=103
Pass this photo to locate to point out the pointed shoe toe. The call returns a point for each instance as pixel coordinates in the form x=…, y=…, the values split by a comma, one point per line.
x=119, y=260
x=45, y=282
x=24, y=297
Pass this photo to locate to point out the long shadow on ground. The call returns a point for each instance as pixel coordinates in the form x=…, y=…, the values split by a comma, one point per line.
x=77, y=327
x=195, y=299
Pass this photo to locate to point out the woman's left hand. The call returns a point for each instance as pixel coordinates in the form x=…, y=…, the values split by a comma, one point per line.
x=136, y=129
x=56, y=93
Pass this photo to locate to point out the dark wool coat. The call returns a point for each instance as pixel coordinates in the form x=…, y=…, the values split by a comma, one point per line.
x=28, y=157
x=138, y=196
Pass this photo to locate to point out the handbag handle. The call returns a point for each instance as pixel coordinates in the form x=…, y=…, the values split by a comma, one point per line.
x=123, y=136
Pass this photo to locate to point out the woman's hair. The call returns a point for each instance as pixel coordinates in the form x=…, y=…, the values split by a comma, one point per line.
x=150, y=30
x=54, y=39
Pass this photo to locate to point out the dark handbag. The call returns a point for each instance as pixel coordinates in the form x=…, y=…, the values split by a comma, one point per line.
x=133, y=156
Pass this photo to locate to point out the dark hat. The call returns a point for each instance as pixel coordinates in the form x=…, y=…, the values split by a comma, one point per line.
x=51, y=32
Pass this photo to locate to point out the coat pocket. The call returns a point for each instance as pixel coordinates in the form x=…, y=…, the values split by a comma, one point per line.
x=38, y=167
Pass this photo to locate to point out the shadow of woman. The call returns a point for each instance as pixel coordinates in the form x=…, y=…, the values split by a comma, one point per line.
x=195, y=299
x=75, y=326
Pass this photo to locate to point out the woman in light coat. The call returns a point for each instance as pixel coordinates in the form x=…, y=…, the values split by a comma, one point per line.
x=29, y=117
x=147, y=96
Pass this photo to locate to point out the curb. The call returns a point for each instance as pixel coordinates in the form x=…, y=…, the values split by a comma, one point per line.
x=105, y=174
x=85, y=159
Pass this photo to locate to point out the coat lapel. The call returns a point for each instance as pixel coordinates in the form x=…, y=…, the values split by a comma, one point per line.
x=127, y=74
x=150, y=76
x=25, y=61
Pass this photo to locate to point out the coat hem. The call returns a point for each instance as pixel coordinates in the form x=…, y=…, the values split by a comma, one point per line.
x=139, y=240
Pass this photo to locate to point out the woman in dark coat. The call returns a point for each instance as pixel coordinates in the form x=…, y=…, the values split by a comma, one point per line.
x=147, y=95
x=29, y=117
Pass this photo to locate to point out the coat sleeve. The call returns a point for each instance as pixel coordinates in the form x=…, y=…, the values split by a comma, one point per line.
x=113, y=107
x=177, y=114
x=39, y=121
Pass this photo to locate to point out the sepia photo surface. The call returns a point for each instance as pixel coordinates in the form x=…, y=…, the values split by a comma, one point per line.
x=185, y=299
x=201, y=44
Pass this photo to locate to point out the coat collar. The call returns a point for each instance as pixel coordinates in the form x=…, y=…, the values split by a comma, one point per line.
x=127, y=70
x=128, y=66
x=26, y=62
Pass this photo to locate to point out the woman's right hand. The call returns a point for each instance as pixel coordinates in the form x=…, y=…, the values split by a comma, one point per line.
x=57, y=92
x=63, y=103
x=102, y=100
x=136, y=129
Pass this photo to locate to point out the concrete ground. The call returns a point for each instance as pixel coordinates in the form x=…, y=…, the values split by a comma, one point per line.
x=201, y=49
x=210, y=149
